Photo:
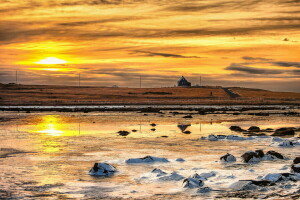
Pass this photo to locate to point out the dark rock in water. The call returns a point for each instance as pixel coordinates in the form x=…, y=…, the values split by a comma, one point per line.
x=123, y=133
x=192, y=183
x=260, y=153
x=153, y=129
x=102, y=169
x=284, y=131
x=221, y=137
x=145, y=114
x=153, y=124
x=228, y=158
x=164, y=136
x=296, y=168
x=250, y=156
x=134, y=130
x=296, y=160
x=188, y=116
x=274, y=154
x=262, y=183
x=269, y=129
x=254, y=129
x=236, y=128
x=187, y=132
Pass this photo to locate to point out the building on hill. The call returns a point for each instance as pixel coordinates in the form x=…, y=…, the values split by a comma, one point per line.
x=182, y=82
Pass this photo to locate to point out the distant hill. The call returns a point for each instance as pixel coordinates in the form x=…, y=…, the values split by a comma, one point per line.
x=12, y=94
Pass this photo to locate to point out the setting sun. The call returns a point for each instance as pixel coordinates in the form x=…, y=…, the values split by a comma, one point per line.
x=51, y=61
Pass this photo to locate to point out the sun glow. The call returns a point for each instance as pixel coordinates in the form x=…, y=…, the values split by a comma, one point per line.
x=51, y=61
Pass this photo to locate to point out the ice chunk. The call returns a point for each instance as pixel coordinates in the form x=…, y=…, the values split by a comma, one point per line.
x=192, y=183
x=102, y=169
x=147, y=159
x=212, y=138
x=243, y=185
x=174, y=176
x=228, y=158
x=273, y=177
x=180, y=160
x=204, y=190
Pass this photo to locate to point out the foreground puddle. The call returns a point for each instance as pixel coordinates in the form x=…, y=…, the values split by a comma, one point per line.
x=48, y=155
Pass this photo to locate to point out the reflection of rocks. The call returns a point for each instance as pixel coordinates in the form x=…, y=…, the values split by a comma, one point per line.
x=236, y=128
x=134, y=130
x=180, y=160
x=153, y=124
x=188, y=116
x=153, y=129
x=147, y=159
x=123, y=133
x=192, y=183
x=228, y=158
x=284, y=131
x=187, y=132
x=254, y=129
x=183, y=127
x=102, y=169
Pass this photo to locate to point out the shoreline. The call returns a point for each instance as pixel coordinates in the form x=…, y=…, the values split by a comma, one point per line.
x=148, y=108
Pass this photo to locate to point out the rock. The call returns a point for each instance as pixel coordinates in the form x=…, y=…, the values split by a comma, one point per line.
x=192, y=183
x=260, y=153
x=187, y=132
x=123, y=133
x=284, y=131
x=234, y=137
x=208, y=175
x=286, y=143
x=102, y=169
x=174, y=176
x=221, y=137
x=273, y=177
x=197, y=176
x=212, y=138
x=250, y=156
x=180, y=160
x=134, y=130
x=243, y=185
x=158, y=171
x=277, y=139
x=147, y=159
x=296, y=160
x=228, y=158
x=236, y=128
x=262, y=183
x=188, y=116
x=296, y=168
x=153, y=124
x=271, y=155
x=153, y=129
x=254, y=129
x=204, y=190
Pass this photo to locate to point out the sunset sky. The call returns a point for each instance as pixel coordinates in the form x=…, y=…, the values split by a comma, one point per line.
x=247, y=43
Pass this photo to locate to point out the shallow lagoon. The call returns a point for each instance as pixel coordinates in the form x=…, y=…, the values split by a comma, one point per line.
x=48, y=155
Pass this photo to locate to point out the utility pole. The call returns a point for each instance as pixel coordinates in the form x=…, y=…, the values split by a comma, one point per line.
x=140, y=81
x=79, y=79
x=200, y=81
x=16, y=77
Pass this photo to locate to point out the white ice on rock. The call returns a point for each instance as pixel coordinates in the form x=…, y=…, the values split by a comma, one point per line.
x=147, y=159
x=204, y=190
x=272, y=177
x=228, y=158
x=160, y=175
x=180, y=160
x=102, y=169
x=192, y=183
x=243, y=185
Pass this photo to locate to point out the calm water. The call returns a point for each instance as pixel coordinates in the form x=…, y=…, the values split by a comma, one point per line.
x=51, y=153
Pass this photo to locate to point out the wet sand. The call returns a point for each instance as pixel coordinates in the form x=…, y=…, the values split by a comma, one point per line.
x=47, y=155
